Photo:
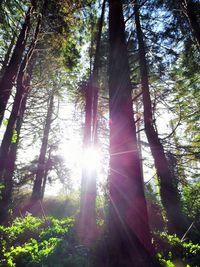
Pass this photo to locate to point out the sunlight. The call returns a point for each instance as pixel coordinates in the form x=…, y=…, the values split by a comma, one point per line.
x=77, y=158
x=90, y=159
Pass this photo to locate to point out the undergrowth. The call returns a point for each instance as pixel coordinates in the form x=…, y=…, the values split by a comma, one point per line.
x=50, y=242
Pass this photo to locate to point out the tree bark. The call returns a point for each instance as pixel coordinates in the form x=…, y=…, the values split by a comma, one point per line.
x=22, y=86
x=37, y=187
x=10, y=74
x=44, y=183
x=9, y=163
x=8, y=150
x=87, y=219
x=130, y=241
x=169, y=195
x=95, y=75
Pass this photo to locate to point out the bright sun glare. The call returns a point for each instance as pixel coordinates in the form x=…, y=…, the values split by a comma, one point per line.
x=78, y=158
x=90, y=159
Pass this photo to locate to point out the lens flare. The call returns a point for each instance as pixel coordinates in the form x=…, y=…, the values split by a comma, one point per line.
x=90, y=159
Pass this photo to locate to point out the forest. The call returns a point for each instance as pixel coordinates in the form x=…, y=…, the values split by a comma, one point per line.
x=99, y=133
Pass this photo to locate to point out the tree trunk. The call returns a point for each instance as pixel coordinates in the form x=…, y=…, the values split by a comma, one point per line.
x=9, y=162
x=130, y=241
x=37, y=187
x=138, y=130
x=87, y=219
x=168, y=192
x=10, y=74
x=95, y=75
x=8, y=150
x=44, y=183
x=23, y=82
x=8, y=135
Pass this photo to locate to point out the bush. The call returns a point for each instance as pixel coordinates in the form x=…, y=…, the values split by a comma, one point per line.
x=35, y=242
x=50, y=242
x=171, y=251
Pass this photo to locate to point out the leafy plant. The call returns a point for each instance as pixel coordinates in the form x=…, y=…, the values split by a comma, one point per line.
x=170, y=250
x=35, y=242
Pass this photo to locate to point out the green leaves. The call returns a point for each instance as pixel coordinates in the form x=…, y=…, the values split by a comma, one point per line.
x=14, y=137
x=172, y=251
x=191, y=201
x=70, y=54
x=35, y=242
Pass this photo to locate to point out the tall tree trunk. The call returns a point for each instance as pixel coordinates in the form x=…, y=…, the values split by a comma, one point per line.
x=8, y=150
x=95, y=75
x=9, y=163
x=45, y=178
x=11, y=71
x=138, y=130
x=22, y=85
x=87, y=219
x=37, y=187
x=170, y=198
x=130, y=241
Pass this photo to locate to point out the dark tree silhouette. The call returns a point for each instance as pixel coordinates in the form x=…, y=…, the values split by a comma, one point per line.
x=130, y=241
x=87, y=218
x=37, y=187
x=10, y=74
x=8, y=152
x=169, y=193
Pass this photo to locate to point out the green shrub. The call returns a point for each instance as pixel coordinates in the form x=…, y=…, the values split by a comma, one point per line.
x=50, y=242
x=171, y=249
x=35, y=242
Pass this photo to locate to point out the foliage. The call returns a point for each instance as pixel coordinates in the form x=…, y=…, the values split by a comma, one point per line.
x=35, y=242
x=61, y=207
x=11, y=17
x=191, y=198
x=171, y=250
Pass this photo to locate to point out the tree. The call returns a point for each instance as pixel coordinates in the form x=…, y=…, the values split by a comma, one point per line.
x=87, y=217
x=12, y=12
x=169, y=195
x=20, y=93
x=128, y=221
x=9, y=147
x=9, y=77
x=6, y=157
x=37, y=187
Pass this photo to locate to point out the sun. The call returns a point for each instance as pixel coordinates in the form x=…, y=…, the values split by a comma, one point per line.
x=78, y=158
x=90, y=159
